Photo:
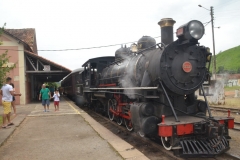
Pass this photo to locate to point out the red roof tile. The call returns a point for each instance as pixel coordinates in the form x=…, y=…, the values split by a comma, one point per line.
x=27, y=35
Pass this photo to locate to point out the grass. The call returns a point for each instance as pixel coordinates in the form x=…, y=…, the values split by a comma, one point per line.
x=229, y=59
x=232, y=102
x=233, y=88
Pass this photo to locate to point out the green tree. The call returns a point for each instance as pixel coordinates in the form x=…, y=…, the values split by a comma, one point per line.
x=51, y=84
x=220, y=69
x=4, y=63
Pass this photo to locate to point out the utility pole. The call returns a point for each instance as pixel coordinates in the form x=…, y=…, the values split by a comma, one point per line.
x=214, y=56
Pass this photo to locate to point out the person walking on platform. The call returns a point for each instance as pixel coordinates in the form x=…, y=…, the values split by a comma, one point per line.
x=7, y=97
x=13, y=101
x=56, y=97
x=45, y=94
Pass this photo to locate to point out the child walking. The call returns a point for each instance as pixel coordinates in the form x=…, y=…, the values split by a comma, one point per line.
x=56, y=97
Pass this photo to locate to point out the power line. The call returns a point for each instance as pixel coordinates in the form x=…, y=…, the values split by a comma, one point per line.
x=76, y=49
x=207, y=23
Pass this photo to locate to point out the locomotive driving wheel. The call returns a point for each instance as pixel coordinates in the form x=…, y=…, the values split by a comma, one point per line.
x=112, y=106
x=119, y=121
x=141, y=134
x=128, y=124
x=166, y=142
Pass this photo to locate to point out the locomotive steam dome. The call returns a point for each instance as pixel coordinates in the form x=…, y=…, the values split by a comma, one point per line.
x=146, y=42
x=121, y=53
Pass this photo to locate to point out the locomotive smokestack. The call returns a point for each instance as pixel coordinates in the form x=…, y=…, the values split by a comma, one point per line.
x=166, y=25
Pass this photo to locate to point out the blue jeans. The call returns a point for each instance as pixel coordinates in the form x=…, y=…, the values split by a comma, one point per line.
x=45, y=102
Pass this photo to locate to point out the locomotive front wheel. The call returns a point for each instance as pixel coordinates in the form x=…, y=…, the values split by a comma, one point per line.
x=166, y=142
x=141, y=134
x=119, y=121
x=110, y=106
x=128, y=124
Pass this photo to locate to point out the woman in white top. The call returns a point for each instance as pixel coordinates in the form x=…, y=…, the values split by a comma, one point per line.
x=56, y=97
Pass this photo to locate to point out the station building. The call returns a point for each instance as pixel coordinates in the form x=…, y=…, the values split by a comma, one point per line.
x=31, y=69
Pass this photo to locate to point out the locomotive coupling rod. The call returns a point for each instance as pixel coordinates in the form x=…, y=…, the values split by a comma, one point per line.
x=174, y=113
x=205, y=98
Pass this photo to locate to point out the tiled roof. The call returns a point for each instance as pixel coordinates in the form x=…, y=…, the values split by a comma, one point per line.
x=46, y=60
x=27, y=35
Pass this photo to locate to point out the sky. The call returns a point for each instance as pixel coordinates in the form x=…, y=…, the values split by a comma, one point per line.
x=76, y=24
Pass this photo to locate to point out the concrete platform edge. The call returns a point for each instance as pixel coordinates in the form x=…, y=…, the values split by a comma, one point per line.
x=12, y=130
x=111, y=138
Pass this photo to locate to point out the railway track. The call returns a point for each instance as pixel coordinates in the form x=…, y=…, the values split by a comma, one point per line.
x=232, y=110
x=236, y=126
x=148, y=146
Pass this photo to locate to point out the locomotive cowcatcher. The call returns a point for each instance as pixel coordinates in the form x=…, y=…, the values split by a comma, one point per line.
x=150, y=88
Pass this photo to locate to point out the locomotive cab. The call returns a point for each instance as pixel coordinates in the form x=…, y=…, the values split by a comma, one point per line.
x=93, y=69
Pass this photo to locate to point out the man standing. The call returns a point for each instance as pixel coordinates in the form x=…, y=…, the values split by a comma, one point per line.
x=7, y=97
x=46, y=96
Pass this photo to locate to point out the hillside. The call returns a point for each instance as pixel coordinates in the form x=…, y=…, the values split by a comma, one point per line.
x=229, y=59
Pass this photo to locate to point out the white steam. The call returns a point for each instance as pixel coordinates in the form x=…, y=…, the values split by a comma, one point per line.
x=127, y=80
x=217, y=91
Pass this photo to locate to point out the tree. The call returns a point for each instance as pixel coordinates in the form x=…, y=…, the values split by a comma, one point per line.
x=220, y=69
x=5, y=67
x=51, y=84
x=238, y=71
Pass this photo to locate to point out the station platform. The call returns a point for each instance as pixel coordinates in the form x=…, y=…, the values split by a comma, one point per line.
x=66, y=134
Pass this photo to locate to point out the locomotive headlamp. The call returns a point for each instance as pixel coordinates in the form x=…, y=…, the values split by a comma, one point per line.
x=191, y=31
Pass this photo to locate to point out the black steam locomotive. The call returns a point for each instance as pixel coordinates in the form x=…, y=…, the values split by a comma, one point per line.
x=150, y=88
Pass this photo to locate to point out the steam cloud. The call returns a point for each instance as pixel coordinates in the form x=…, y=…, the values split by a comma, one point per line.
x=127, y=80
x=218, y=93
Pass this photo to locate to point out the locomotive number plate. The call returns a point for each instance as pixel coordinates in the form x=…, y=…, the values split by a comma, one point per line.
x=187, y=67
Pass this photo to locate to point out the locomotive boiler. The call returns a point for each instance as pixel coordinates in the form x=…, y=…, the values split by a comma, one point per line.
x=150, y=88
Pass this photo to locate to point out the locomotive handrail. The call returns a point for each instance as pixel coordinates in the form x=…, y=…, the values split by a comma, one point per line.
x=151, y=47
x=174, y=113
x=161, y=44
x=205, y=98
x=120, y=93
x=116, y=62
x=136, y=88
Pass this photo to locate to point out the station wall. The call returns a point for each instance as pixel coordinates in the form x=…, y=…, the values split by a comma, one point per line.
x=16, y=52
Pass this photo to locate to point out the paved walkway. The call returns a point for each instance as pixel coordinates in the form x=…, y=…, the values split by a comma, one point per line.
x=68, y=134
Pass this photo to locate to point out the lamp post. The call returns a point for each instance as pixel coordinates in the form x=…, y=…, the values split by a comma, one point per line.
x=214, y=56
